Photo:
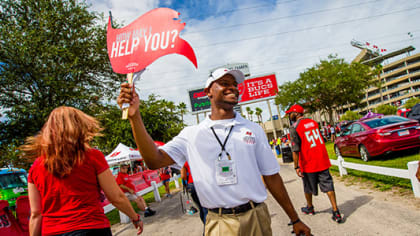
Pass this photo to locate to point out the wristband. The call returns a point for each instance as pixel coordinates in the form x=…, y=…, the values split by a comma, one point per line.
x=296, y=221
x=297, y=168
x=138, y=219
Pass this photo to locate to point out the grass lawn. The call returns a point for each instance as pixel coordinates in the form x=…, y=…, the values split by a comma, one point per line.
x=382, y=182
x=114, y=216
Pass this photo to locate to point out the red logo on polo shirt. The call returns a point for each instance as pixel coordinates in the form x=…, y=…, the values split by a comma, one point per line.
x=249, y=138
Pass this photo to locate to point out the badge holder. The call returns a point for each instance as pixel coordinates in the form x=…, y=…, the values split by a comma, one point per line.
x=225, y=169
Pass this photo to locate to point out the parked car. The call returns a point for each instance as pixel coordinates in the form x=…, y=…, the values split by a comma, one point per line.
x=343, y=124
x=376, y=136
x=415, y=112
x=13, y=184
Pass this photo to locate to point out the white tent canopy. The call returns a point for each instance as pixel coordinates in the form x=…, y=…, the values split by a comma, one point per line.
x=122, y=153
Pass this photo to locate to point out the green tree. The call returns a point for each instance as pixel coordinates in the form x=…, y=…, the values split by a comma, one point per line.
x=411, y=102
x=350, y=115
x=258, y=113
x=248, y=110
x=160, y=122
x=52, y=53
x=171, y=106
x=328, y=86
x=182, y=107
x=386, y=109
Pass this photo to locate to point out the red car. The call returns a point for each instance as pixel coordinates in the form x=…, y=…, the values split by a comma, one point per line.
x=376, y=136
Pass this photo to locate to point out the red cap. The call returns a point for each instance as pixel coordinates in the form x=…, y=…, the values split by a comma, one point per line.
x=295, y=108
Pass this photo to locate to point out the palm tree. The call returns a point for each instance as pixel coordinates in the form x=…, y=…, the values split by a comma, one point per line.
x=171, y=106
x=258, y=113
x=182, y=110
x=248, y=110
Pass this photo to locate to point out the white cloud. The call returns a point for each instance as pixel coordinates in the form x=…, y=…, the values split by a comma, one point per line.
x=284, y=45
x=122, y=10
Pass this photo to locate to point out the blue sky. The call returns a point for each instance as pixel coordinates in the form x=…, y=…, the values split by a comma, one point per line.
x=283, y=37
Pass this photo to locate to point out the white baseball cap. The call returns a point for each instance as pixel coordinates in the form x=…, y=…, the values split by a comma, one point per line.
x=219, y=73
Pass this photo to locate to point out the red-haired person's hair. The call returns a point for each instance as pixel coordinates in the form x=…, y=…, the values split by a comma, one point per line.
x=63, y=140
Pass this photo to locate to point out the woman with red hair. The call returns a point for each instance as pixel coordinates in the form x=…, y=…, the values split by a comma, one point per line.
x=67, y=176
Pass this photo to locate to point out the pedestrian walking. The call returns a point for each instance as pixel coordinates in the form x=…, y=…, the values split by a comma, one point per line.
x=165, y=177
x=65, y=181
x=332, y=131
x=227, y=155
x=311, y=160
x=186, y=176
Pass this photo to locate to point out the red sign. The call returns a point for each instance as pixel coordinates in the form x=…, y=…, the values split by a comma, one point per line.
x=258, y=87
x=152, y=35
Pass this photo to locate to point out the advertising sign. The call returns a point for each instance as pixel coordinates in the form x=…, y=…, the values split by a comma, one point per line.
x=199, y=100
x=258, y=88
x=152, y=35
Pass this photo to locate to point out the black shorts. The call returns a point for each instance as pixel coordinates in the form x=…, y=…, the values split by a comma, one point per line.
x=321, y=178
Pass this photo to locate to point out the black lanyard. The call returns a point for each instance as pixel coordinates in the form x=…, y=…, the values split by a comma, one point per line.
x=222, y=145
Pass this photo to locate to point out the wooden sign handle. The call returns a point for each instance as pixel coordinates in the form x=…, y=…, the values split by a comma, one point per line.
x=126, y=106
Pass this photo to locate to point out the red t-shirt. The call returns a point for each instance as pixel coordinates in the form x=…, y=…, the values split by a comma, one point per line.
x=122, y=178
x=190, y=179
x=164, y=173
x=307, y=140
x=71, y=203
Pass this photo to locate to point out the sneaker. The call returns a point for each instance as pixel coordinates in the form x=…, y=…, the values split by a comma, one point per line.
x=308, y=210
x=149, y=212
x=336, y=216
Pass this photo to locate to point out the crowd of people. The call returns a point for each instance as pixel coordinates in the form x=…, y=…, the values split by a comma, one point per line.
x=329, y=132
x=221, y=158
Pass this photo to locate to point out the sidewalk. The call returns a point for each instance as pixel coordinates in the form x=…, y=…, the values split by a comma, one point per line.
x=169, y=220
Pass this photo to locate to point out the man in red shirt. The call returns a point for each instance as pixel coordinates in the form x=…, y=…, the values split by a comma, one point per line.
x=311, y=160
x=128, y=188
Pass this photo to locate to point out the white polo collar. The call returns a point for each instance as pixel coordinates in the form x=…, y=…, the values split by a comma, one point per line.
x=224, y=123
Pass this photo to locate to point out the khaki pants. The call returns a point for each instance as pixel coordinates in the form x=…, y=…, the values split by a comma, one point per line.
x=255, y=222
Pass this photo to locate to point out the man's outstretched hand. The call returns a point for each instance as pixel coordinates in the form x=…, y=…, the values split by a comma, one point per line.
x=129, y=95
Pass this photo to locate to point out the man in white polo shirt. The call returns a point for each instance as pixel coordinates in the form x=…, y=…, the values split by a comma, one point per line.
x=227, y=155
